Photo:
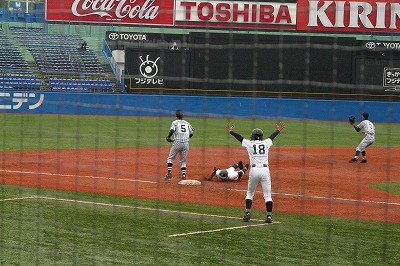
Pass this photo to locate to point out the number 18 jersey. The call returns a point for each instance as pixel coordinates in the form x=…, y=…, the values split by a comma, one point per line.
x=257, y=150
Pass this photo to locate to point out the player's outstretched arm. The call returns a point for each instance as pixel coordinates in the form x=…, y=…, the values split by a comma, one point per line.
x=229, y=128
x=279, y=128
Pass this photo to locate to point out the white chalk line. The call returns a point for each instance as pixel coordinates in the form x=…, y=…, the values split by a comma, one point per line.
x=221, y=229
x=330, y=198
x=139, y=208
x=152, y=209
x=70, y=175
x=323, y=198
x=15, y=199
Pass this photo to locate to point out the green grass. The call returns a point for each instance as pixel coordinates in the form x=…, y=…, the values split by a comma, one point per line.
x=69, y=228
x=390, y=187
x=37, y=132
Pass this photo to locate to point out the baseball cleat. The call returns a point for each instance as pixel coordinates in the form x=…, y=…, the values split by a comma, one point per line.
x=240, y=165
x=354, y=160
x=240, y=173
x=246, y=217
x=269, y=219
x=364, y=161
x=213, y=173
x=183, y=177
x=168, y=176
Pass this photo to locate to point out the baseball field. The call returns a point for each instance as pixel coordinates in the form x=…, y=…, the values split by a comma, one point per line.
x=89, y=190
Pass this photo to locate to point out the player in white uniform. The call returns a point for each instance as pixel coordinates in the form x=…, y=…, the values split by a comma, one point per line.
x=230, y=174
x=183, y=132
x=366, y=127
x=258, y=149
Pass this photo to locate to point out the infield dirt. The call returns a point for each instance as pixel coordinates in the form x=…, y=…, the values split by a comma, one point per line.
x=305, y=180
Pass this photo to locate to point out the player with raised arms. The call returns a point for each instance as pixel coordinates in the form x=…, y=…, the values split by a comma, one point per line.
x=258, y=149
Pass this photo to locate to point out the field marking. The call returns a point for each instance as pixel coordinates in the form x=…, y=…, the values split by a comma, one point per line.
x=21, y=198
x=123, y=206
x=325, y=198
x=139, y=208
x=220, y=229
x=134, y=207
x=151, y=209
x=69, y=175
x=230, y=189
x=338, y=199
x=168, y=211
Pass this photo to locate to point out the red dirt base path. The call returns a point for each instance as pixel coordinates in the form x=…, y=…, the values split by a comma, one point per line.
x=305, y=180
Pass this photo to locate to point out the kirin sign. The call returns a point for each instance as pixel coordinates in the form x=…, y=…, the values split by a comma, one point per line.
x=349, y=16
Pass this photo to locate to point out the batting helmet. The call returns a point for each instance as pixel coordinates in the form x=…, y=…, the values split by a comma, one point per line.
x=223, y=174
x=257, y=134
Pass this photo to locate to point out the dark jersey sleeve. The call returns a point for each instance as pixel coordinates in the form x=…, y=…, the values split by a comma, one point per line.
x=237, y=136
x=273, y=135
x=171, y=132
x=357, y=128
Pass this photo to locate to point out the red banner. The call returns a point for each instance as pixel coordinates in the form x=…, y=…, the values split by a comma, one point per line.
x=235, y=14
x=143, y=12
x=358, y=16
x=362, y=16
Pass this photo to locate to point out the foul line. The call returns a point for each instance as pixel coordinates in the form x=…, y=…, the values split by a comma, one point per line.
x=149, y=209
x=168, y=211
x=137, y=207
x=124, y=206
x=221, y=229
x=22, y=198
x=239, y=190
x=328, y=199
x=69, y=175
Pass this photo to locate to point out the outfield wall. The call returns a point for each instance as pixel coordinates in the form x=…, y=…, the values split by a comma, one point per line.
x=195, y=106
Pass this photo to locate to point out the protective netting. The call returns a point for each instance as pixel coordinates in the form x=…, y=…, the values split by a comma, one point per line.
x=87, y=173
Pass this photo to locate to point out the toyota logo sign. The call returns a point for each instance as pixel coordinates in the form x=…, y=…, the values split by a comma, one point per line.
x=113, y=36
x=370, y=45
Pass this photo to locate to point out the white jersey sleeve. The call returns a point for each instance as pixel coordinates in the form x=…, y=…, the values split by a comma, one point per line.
x=257, y=150
x=182, y=130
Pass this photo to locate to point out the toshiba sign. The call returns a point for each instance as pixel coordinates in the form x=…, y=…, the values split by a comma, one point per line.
x=348, y=16
x=235, y=14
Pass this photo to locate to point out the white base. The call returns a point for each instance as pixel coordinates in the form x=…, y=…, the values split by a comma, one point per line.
x=189, y=182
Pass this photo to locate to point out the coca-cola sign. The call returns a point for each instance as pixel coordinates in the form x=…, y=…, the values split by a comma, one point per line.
x=144, y=12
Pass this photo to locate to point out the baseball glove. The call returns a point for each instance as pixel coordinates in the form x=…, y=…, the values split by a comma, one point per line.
x=352, y=119
x=169, y=139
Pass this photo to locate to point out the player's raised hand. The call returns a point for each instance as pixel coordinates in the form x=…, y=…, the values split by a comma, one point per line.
x=229, y=127
x=280, y=126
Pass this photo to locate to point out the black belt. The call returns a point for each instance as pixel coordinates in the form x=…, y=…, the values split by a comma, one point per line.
x=259, y=165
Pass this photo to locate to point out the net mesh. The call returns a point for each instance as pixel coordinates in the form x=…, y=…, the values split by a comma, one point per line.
x=83, y=168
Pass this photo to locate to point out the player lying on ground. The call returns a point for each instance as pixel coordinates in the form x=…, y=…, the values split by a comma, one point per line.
x=230, y=174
